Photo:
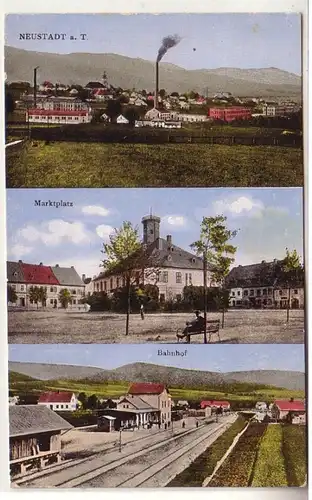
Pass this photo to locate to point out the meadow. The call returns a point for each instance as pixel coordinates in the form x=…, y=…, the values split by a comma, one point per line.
x=22, y=384
x=83, y=164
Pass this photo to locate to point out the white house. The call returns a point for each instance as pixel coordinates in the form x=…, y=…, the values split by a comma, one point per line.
x=59, y=401
x=156, y=395
x=122, y=120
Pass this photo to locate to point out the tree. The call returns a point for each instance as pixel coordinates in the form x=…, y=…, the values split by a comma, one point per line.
x=9, y=103
x=34, y=295
x=214, y=249
x=291, y=273
x=65, y=297
x=11, y=294
x=113, y=109
x=132, y=115
x=82, y=397
x=42, y=296
x=126, y=257
x=162, y=93
x=92, y=402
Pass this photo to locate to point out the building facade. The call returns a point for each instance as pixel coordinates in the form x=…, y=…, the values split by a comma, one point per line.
x=175, y=267
x=229, y=114
x=291, y=410
x=59, y=401
x=156, y=395
x=259, y=286
x=58, y=116
x=22, y=278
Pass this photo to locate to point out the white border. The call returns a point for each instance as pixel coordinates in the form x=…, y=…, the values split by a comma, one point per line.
x=150, y=6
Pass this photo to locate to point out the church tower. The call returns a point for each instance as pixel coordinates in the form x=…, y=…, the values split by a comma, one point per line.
x=151, y=225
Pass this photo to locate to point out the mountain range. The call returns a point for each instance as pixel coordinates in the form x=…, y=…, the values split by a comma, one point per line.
x=128, y=73
x=170, y=376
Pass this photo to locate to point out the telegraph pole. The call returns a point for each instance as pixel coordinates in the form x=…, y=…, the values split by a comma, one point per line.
x=35, y=86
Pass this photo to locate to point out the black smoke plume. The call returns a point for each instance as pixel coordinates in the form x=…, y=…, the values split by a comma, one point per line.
x=167, y=43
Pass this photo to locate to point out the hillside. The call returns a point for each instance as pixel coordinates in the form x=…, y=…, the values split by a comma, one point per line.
x=137, y=73
x=171, y=376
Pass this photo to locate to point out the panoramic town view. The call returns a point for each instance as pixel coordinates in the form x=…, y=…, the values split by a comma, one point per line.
x=170, y=91
x=112, y=266
x=201, y=419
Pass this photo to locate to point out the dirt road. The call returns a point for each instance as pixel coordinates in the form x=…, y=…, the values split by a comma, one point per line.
x=241, y=327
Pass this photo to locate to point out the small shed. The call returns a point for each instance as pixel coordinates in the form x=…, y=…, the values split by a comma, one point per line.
x=106, y=423
x=35, y=437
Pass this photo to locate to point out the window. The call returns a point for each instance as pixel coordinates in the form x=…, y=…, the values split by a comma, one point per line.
x=51, y=288
x=105, y=285
x=101, y=286
x=238, y=293
x=74, y=291
x=14, y=287
x=245, y=293
x=186, y=278
x=252, y=292
x=270, y=291
x=264, y=291
x=178, y=277
x=280, y=292
x=162, y=297
x=190, y=278
x=233, y=294
x=163, y=277
x=111, y=283
x=62, y=406
x=74, y=301
x=258, y=293
x=51, y=301
x=97, y=287
x=57, y=406
x=296, y=292
x=117, y=282
x=67, y=406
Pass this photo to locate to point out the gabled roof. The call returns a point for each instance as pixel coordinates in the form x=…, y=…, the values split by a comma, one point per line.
x=55, y=397
x=169, y=255
x=14, y=272
x=67, y=276
x=146, y=388
x=34, y=419
x=218, y=404
x=261, y=274
x=288, y=405
x=38, y=275
x=137, y=402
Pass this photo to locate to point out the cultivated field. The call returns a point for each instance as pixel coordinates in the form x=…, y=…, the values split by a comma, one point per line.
x=241, y=327
x=77, y=164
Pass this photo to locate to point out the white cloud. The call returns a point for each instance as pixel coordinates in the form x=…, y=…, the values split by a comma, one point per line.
x=19, y=251
x=95, y=210
x=243, y=205
x=104, y=231
x=55, y=232
x=175, y=220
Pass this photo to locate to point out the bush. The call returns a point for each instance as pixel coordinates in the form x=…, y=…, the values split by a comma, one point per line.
x=79, y=418
x=269, y=468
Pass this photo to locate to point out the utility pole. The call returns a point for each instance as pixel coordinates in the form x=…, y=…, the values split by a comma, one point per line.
x=205, y=295
x=35, y=86
x=120, y=429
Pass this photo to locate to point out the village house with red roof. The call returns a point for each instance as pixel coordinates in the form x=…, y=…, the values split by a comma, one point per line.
x=291, y=410
x=59, y=401
x=23, y=278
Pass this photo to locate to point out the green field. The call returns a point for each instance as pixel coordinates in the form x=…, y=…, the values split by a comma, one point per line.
x=22, y=384
x=270, y=466
x=74, y=164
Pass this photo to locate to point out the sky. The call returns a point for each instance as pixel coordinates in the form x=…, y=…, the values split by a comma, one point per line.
x=268, y=221
x=223, y=358
x=221, y=40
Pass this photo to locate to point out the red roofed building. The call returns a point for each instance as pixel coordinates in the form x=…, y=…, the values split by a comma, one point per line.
x=230, y=114
x=292, y=410
x=225, y=405
x=59, y=401
x=38, y=275
x=58, y=116
x=156, y=395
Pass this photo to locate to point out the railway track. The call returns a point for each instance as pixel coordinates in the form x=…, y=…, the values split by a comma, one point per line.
x=103, y=458
x=163, y=462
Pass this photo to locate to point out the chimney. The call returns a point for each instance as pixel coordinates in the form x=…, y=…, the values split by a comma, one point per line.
x=40, y=264
x=169, y=239
x=56, y=265
x=20, y=261
x=72, y=267
x=156, y=86
x=83, y=277
x=159, y=244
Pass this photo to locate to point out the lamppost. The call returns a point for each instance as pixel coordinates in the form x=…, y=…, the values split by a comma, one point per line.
x=120, y=429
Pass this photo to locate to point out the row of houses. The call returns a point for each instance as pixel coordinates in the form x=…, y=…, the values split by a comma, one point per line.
x=23, y=278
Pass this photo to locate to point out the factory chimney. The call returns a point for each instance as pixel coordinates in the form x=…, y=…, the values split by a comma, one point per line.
x=35, y=86
x=156, y=86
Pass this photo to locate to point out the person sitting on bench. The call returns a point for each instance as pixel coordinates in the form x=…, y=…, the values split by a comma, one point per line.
x=196, y=325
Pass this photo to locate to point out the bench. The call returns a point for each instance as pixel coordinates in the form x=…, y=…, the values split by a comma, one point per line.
x=212, y=328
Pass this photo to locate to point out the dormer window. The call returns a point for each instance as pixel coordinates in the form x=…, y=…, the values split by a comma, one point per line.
x=169, y=257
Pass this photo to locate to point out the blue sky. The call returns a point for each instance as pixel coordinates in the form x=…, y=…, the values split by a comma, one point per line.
x=235, y=40
x=222, y=358
x=269, y=220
